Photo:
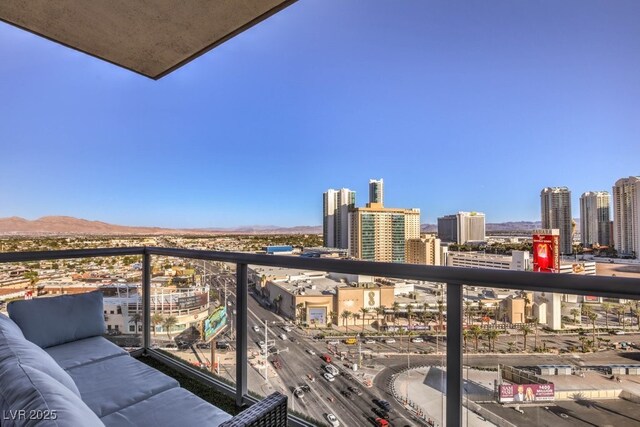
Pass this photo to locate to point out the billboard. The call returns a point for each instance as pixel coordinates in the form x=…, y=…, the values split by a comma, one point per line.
x=546, y=252
x=527, y=393
x=319, y=314
x=214, y=323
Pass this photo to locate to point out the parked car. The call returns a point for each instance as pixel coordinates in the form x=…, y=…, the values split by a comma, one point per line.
x=369, y=341
x=417, y=339
x=390, y=341
x=333, y=342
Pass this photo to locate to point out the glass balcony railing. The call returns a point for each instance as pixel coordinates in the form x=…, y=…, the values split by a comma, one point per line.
x=421, y=345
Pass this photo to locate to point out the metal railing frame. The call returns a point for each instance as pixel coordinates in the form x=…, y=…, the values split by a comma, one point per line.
x=453, y=277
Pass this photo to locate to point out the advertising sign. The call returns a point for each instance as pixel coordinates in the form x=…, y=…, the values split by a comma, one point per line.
x=192, y=301
x=214, y=323
x=527, y=393
x=318, y=314
x=546, y=253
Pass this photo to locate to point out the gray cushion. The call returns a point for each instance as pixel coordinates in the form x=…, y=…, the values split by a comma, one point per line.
x=112, y=384
x=84, y=351
x=36, y=393
x=57, y=320
x=174, y=407
x=9, y=327
x=15, y=349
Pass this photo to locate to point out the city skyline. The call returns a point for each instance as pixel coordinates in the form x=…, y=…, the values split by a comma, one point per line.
x=449, y=102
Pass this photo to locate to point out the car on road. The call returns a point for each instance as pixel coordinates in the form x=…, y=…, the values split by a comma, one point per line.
x=381, y=413
x=287, y=329
x=326, y=358
x=298, y=393
x=256, y=328
x=346, y=394
x=283, y=336
x=418, y=339
x=332, y=370
x=381, y=422
x=369, y=341
x=333, y=420
x=355, y=390
x=390, y=341
x=327, y=376
x=305, y=387
x=383, y=404
x=333, y=342
x=311, y=352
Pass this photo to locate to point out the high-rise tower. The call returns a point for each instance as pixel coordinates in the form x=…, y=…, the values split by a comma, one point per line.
x=376, y=191
x=626, y=216
x=594, y=218
x=555, y=206
x=335, y=217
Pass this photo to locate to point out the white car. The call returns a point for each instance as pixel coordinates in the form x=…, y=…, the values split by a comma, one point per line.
x=256, y=328
x=311, y=352
x=390, y=341
x=369, y=341
x=287, y=329
x=333, y=420
x=327, y=376
x=417, y=339
x=333, y=342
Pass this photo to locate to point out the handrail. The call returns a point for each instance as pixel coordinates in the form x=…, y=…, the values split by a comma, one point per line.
x=618, y=287
x=454, y=277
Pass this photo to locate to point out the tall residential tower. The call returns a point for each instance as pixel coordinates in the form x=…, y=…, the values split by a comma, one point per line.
x=335, y=217
x=594, y=218
x=626, y=216
x=376, y=191
x=555, y=206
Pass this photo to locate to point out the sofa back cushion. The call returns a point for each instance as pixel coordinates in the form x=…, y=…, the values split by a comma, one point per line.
x=14, y=348
x=30, y=397
x=57, y=320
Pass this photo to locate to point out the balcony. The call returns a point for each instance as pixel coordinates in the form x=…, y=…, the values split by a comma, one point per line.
x=447, y=342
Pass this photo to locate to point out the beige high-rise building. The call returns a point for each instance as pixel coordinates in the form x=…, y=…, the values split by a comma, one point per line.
x=555, y=207
x=424, y=251
x=594, y=218
x=380, y=234
x=335, y=217
x=626, y=216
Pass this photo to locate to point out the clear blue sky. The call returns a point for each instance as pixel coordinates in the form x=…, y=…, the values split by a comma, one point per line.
x=458, y=105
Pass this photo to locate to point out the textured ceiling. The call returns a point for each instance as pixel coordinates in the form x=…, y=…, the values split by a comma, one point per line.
x=150, y=37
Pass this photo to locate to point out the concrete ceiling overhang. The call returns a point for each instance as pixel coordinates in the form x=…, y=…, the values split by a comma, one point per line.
x=150, y=37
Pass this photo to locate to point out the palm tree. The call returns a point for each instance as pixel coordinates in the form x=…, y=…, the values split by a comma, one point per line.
x=534, y=320
x=333, y=316
x=33, y=279
x=355, y=317
x=465, y=338
x=475, y=331
x=364, y=312
x=135, y=319
x=156, y=319
x=510, y=346
x=409, y=314
x=299, y=308
x=492, y=334
x=620, y=312
x=606, y=307
x=345, y=315
x=384, y=313
x=592, y=317
x=379, y=311
x=526, y=330
x=527, y=302
x=575, y=313
x=169, y=322
x=467, y=310
x=440, y=313
x=396, y=309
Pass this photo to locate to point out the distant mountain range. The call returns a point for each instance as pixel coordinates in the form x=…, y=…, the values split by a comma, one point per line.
x=66, y=225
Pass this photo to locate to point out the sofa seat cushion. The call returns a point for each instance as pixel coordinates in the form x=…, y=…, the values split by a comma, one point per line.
x=56, y=320
x=30, y=397
x=81, y=352
x=112, y=384
x=16, y=350
x=174, y=407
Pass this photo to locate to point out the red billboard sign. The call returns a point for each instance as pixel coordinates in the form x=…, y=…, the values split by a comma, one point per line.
x=525, y=393
x=546, y=253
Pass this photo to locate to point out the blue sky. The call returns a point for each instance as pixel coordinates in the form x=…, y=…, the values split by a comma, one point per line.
x=458, y=105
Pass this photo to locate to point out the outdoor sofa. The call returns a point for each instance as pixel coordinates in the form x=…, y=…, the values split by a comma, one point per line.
x=56, y=369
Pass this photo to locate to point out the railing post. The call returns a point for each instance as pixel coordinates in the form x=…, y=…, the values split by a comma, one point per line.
x=454, y=355
x=146, y=301
x=242, y=296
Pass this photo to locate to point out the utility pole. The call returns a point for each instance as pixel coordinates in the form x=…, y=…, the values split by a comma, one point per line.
x=266, y=351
